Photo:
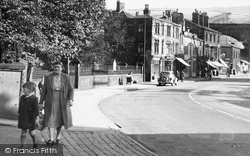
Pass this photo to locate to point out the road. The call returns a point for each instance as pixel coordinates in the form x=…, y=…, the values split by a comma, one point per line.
x=194, y=118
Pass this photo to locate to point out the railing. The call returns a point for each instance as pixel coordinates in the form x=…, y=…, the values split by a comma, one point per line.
x=108, y=69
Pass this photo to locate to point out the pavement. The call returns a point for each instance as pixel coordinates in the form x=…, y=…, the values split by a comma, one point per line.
x=93, y=134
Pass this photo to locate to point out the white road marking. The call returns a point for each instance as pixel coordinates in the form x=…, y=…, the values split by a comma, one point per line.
x=223, y=112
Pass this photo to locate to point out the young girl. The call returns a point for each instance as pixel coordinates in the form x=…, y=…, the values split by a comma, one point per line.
x=28, y=113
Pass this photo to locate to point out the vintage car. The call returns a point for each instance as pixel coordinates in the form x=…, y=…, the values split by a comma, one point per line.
x=167, y=77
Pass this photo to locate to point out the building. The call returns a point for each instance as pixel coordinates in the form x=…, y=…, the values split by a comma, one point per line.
x=157, y=41
x=211, y=39
x=238, y=31
x=231, y=49
x=193, y=50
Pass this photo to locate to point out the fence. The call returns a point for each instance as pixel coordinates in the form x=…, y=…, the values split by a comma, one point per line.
x=108, y=69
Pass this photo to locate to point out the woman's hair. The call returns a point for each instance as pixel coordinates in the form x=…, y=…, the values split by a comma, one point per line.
x=30, y=85
x=58, y=63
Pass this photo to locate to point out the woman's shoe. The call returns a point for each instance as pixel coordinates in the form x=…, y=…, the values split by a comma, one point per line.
x=21, y=147
x=50, y=142
x=58, y=142
x=34, y=145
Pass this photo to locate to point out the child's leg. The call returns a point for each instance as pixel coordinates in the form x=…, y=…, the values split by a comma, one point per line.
x=33, y=136
x=23, y=137
x=51, y=133
x=58, y=132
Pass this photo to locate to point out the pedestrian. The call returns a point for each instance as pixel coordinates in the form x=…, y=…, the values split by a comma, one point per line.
x=28, y=117
x=57, y=96
x=183, y=75
x=130, y=78
x=40, y=85
x=178, y=75
x=228, y=72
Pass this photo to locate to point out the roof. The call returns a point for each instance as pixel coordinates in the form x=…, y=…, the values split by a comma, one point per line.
x=202, y=27
x=142, y=16
x=128, y=15
x=229, y=41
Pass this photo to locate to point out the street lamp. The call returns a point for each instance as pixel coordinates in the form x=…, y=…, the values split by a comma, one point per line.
x=144, y=52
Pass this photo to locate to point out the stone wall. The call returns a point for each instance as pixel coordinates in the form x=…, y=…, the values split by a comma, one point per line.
x=88, y=82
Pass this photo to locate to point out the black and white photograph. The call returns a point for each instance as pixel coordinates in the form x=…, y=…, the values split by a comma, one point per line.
x=125, y=77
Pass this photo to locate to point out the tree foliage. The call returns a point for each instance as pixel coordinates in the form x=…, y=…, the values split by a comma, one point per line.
x=52, y=27
x=117, y=36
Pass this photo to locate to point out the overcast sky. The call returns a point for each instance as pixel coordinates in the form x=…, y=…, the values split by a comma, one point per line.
x=138, y=4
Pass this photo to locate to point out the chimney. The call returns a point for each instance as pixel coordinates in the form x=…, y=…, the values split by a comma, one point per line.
x=201, y=19
x=169, y=14
x=136, y=13
x=120, y=6
x=178, y=17
x=163, y=16
x=146, y=11
x=206, y=24
x=195, y=17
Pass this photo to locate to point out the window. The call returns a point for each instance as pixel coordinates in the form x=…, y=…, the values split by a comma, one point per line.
x=157, y=28
x=140, y=47
x=168, y=30
x=206, y=36
x=140, y=28
x=162, y=29
x=156, y=46
x=162, y=47
x=177, y=33
x=214, y=38
x=173, y=32
x=210, y=37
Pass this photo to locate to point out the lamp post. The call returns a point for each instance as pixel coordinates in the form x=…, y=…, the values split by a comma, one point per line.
x=144, y=52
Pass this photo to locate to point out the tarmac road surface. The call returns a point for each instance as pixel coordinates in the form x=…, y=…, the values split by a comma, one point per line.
x=194, y=118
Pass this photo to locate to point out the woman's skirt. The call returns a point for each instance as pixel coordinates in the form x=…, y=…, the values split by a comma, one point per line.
x=56, y=117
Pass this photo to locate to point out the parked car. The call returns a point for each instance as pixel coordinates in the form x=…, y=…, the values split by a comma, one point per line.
x=167, y=77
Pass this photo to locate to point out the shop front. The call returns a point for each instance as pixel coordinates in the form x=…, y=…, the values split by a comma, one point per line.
x=179, y=67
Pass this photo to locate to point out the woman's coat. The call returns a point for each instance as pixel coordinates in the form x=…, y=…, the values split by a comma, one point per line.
x=66, y=94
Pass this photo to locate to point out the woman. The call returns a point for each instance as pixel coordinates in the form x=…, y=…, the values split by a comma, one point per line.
x=57, y=92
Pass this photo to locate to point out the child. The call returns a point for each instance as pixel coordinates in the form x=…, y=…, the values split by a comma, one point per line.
x=28, y=113
x=40, y=85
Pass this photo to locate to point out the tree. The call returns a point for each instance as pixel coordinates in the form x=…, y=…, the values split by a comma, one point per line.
x=116, y=35
x=97, y=51
x=55, y=28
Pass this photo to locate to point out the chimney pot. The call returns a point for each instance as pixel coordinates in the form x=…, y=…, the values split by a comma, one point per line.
x=146, y=11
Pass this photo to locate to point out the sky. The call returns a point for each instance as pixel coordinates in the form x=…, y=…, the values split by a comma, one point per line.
x=138, y=4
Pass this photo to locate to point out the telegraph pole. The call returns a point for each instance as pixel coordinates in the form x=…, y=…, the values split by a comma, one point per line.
x=144, y=52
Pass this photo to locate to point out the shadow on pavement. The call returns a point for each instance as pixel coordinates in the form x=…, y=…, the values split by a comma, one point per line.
x=200, y=144
x=85, y=141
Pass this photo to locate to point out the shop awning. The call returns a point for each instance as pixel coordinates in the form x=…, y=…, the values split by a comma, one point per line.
x=216, y=63
x=211, y=64
x=182, y=61
x=223, y=62
x=244, y=61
